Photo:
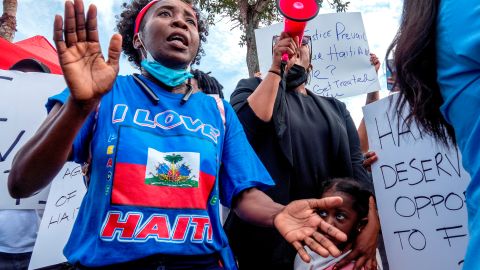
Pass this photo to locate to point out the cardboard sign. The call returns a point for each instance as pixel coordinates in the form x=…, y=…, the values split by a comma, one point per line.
x=340, y=55
x=22, y=110
x=420, y=188
x=63, y=204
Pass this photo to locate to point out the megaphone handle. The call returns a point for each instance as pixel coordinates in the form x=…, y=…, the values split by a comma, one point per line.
x=283, y=65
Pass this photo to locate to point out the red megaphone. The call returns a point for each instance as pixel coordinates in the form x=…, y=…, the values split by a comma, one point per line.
x=297, y=13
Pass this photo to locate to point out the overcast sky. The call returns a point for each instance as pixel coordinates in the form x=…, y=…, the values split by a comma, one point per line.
x=225, y=58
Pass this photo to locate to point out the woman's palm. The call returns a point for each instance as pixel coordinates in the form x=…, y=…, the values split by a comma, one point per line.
x=86, y=72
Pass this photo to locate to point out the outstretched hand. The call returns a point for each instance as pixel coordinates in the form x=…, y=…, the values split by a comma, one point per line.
x=86, y=72
x=299, y=224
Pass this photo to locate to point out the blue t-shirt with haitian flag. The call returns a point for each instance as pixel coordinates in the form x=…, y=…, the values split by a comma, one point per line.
x=158, y=174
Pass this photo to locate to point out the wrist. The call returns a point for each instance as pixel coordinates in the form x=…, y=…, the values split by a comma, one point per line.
x=81, y=108
x=276, y=72
x=275, y=67
x=372, y=97
x=275, y=217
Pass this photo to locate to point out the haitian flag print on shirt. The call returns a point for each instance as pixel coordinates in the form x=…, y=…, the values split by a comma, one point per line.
x=156, y=180
x=172, y=169
x=149, y=173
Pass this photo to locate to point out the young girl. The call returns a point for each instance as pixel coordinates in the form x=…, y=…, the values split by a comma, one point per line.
x=350, y=218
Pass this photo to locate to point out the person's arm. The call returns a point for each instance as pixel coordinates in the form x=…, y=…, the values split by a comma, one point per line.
x=297, y=222
x=242, y=176
x=356, y=156
x=263, y=99
x=252, y=125
x=88, y=77
x=371, y=97
x=362, y=135
x=42, y=157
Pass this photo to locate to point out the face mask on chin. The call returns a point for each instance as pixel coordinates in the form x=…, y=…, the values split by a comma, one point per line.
x=168, y=76
x=296, y=76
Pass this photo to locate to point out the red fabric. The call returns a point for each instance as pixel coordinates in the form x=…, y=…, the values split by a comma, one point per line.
x=36, y=47
x=141, y=14
x=129, y=188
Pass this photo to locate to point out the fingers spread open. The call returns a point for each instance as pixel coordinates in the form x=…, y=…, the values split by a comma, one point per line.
x=323, y=246
x=92, y=30
x=332, y=231
x=58, y=34
x=70, y=30
x=114, y=50
x=80, y=20
x=301, y=251
x=325, y=203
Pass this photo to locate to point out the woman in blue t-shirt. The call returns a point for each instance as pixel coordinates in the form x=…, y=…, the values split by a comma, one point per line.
x=437, y=58
x=162, y=157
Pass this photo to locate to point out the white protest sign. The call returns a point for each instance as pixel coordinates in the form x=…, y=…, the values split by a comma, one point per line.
x=63, y=204
x=22, y=110
x=420, y=189
x=340, y=55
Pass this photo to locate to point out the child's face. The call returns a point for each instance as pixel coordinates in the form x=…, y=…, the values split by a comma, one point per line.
x=343, y=217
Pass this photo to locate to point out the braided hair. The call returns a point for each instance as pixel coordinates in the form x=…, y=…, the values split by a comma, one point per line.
x=207, y=83
x=357, y=190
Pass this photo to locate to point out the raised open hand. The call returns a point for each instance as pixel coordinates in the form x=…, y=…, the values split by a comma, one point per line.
x=299, y=224
x=86, y=72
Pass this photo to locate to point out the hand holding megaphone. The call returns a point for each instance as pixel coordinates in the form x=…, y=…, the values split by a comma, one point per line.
x=284, y=45
x=297, y=13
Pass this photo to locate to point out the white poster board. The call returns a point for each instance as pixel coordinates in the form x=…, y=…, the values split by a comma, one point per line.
x=340, y=55
x=420, y=188
x=63, y=204
x=22, y=110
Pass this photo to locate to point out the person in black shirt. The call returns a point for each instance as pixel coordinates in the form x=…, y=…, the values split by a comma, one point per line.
x=302, y=139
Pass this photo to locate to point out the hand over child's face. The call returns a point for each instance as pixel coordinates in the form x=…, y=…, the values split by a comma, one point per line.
x=344, y=217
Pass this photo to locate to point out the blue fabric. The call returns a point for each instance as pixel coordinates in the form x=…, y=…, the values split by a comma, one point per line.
x=458, y=57
x=168, y=76
x=134, y=147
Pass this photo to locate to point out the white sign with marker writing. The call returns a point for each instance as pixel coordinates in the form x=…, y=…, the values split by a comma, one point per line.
x=63, y=204
x=22, y=110
x=340, y=55
x=420, y=188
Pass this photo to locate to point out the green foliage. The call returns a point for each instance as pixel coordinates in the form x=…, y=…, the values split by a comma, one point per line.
x=173, y=158
x=251, y=13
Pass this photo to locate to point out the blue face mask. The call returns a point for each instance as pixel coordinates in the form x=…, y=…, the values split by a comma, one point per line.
x=168, y=76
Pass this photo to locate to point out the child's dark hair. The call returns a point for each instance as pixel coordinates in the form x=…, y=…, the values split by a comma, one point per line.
x=126, y=25
x=359, y=193
x=207, y=83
